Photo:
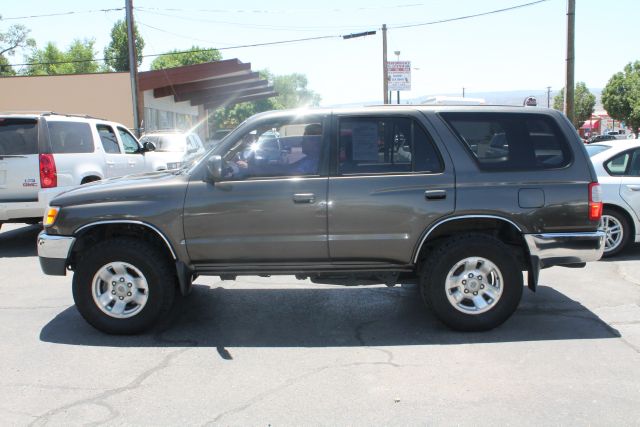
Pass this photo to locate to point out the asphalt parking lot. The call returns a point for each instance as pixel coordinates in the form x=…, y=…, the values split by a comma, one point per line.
x=275, y=351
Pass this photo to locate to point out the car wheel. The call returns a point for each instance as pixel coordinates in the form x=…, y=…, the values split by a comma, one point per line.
x=472, y=282
x=123, y=286
x=617, y=231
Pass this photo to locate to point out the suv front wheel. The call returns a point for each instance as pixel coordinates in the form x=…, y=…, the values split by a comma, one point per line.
x=472, y=282
x=123, y=286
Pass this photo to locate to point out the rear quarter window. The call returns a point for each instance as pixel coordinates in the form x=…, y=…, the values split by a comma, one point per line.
x=511, y=141
x=18, y=136
x=70, y=137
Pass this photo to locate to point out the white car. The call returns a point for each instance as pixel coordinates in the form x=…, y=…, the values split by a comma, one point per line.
x=617, y=164
x=173, y=149
x=44, y=154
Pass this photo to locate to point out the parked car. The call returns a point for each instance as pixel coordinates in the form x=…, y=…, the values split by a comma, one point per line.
x=600, y=138
x=617, y=164
x=44, y=154
x=345, y=207
x=174, y=148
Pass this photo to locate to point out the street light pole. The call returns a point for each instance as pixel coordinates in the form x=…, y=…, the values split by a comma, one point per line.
x=397, y=53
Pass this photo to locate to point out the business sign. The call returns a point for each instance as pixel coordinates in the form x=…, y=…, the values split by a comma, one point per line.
x=399, y=75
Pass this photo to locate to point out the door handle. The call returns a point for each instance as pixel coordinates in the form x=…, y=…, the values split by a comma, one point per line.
x=633, y=187
x=110, y=163
x=435, y=194
x=304, y=198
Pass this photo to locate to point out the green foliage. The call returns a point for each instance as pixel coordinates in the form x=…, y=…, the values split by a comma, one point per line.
x=116, y=54
x=621, y=96
x=16, y=37
x=584, y=103
x=79, y=50
x=175, y=59
x=292, y=93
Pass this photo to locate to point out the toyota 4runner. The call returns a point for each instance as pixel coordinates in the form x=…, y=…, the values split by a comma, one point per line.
x=463, y=201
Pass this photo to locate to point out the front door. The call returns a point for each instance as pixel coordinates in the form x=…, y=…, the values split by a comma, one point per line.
x=134, y=160
x=271, y=206
x=391, y=183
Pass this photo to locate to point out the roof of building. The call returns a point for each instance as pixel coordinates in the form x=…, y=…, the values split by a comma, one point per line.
x=212, y=84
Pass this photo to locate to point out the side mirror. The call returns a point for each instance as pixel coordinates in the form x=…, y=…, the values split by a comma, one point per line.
x=149, y=146
x=214, y=168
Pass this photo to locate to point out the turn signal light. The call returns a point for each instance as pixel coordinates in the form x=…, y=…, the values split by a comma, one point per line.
x=50, y=216
x=48, y=173
x=595, y=201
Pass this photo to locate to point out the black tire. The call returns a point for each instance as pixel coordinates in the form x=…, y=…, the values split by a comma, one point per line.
x=156, y=268
x=444, y=258
x=626, y=232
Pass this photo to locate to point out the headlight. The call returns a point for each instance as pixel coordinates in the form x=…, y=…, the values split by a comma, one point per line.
x=50, y=215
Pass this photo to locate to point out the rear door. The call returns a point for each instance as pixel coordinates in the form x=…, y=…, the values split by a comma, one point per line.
x=19, y=163
x=391, y=182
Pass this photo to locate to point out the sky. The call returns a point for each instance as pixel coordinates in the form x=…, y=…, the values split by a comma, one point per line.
x=513, y=50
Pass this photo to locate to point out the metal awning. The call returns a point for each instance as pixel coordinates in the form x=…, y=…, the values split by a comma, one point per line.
x=212, y=84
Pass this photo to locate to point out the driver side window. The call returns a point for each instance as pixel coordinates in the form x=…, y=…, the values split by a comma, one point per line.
x=128, y=141
x=277, y=149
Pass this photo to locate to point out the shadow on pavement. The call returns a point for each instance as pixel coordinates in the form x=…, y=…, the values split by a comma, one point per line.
x=20, y=242
x=330, y=317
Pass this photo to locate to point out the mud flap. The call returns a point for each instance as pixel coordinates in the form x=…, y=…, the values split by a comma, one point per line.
x=185, y=276
x=534, y=272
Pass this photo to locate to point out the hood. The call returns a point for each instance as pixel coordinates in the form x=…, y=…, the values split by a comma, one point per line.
x=132, y=188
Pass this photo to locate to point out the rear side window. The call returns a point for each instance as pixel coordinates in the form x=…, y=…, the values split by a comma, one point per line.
x=70, y=137
x=108, y=139
x=18, y=136
x=385, y=145
x=625, y=164
x=511, y=141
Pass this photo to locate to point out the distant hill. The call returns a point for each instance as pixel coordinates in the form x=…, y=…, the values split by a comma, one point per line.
x=513, y=97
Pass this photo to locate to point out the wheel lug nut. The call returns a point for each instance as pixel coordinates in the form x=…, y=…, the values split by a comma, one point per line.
x=479, y=277
x=129, y=284
x=470, y=275
x=121, y=298
x=475, y=293
x=122, y=279
x=113, y=292
x=481, y=286
x=128, y=294
x=464, y=282
x=466, y=291
x=113, y=283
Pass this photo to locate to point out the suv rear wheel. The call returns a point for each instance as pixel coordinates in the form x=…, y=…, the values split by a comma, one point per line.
x=472, y=282
x=123, y=286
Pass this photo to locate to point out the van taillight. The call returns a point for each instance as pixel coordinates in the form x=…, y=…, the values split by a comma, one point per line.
x=595, y=201
x=48, y=175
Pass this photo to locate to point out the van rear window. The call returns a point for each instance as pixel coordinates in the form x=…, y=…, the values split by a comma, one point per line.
x=70, y=137
x=18, y=136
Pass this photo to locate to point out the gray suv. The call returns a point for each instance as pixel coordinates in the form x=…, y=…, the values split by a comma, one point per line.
x=459, y=200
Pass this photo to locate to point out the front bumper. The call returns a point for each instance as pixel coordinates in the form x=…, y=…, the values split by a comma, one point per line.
x=53, y=252
x=551, y=249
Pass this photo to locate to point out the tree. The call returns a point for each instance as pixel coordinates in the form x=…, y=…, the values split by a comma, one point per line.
x=292, y=93
x=52, y=61
x=621, y=96
x=196, y=55
x=16, y=37
x=584, y=102
x=116, y=54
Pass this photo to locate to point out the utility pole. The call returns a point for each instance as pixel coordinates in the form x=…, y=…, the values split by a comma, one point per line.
x=133, y=67
x=385, y=84
x=463, y=91
x=569, y=83
x=548, y=96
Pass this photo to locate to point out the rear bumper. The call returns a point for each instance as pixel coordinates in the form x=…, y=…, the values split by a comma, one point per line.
x=17, y=210
x=53, y=252
x=551, y=249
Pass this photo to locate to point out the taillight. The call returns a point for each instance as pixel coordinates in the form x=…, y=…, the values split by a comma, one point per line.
x=48, y=175
x=595, y=201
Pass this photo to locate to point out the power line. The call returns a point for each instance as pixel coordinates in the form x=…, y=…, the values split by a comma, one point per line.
x=460, y=18
x=71, y=12
x=281, y=11
x=289, y=40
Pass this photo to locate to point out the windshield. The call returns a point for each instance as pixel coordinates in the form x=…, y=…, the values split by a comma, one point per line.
x=593, y=149
x=167, y=143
